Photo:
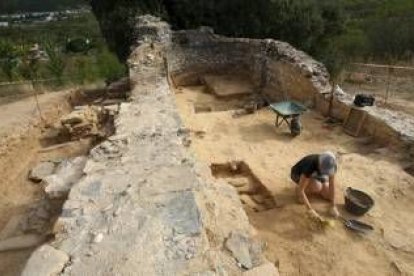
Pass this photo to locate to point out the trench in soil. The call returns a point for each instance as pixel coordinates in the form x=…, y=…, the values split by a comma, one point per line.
x=255, y=157
x=253, y=194
x=25, y=207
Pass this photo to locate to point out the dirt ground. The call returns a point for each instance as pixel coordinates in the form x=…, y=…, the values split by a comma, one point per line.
x=20, y=131
x=293, y=243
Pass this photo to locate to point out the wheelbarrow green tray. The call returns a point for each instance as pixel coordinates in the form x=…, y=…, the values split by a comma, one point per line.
x=286, y=110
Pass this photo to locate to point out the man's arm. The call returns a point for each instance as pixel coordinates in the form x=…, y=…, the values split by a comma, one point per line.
x=303, y=183
x=332, y=192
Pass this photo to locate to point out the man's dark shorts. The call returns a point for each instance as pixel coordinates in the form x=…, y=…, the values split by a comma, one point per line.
x=296, y=178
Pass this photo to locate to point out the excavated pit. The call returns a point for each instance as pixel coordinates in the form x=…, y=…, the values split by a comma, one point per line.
x=253, y=194
x=206, y=101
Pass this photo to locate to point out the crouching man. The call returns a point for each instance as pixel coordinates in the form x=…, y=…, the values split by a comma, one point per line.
x=315, y=175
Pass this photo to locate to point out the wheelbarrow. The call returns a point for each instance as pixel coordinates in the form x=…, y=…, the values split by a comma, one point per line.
x=287, y=110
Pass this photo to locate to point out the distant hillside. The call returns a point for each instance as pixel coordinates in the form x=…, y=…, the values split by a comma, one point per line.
x=13, y=6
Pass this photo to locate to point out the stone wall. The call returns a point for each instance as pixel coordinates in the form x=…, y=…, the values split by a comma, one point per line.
x=196, y=52
x=145, y=206
x=200, y=51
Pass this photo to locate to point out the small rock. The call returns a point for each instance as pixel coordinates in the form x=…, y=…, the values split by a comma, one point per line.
x=116, y=213
x=42, y=170
x=234, y=166
x=73, y=118
x=249, y=188
x=238, y=182
x=200, y=133
x=246, y=199
x=267, y=269
x=238, y=245
x=187, y=142
x=55, y=187
x=258, y=198
x=98, y=238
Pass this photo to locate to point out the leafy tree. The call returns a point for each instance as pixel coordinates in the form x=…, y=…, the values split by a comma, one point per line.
x=304, y=23
x=85, y=71
x=109, y=67
x=56, y=63
x=9, y=59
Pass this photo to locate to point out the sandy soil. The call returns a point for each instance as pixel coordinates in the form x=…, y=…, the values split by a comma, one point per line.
x=294, y=244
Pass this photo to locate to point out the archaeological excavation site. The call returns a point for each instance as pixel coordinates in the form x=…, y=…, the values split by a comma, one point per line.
x=184, y=169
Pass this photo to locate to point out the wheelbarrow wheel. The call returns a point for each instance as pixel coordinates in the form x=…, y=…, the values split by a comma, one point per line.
x=295, y=126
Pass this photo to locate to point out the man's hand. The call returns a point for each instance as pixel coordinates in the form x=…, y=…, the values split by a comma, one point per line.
x=334, y=212
x=314, y=215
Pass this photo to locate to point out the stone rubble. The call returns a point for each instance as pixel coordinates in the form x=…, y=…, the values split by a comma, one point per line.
x=68, y=172
x=42, y=170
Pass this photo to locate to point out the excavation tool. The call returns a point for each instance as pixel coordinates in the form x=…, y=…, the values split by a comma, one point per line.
x=356, y=225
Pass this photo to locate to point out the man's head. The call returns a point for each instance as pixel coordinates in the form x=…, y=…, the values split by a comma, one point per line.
x=327, y=163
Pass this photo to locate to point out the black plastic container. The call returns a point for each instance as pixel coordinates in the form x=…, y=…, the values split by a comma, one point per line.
x=357, y=202
x=362, y=100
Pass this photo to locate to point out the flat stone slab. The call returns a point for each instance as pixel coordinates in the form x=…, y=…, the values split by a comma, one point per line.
x=238, y=244
x=266, y=269
x=47, y=261
x=42, y=170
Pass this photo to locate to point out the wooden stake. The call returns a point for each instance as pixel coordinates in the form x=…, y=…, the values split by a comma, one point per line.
x=37, y=103
x=388, y=84
x=331, y=99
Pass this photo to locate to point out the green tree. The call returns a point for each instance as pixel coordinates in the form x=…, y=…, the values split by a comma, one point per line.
x=56, y=63
x=84, y=70
x=109, y=67
x=304, y=23
x=9, y=59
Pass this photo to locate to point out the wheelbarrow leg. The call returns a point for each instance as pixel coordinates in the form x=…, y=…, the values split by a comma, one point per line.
x=279, y=121
x=287, y=121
